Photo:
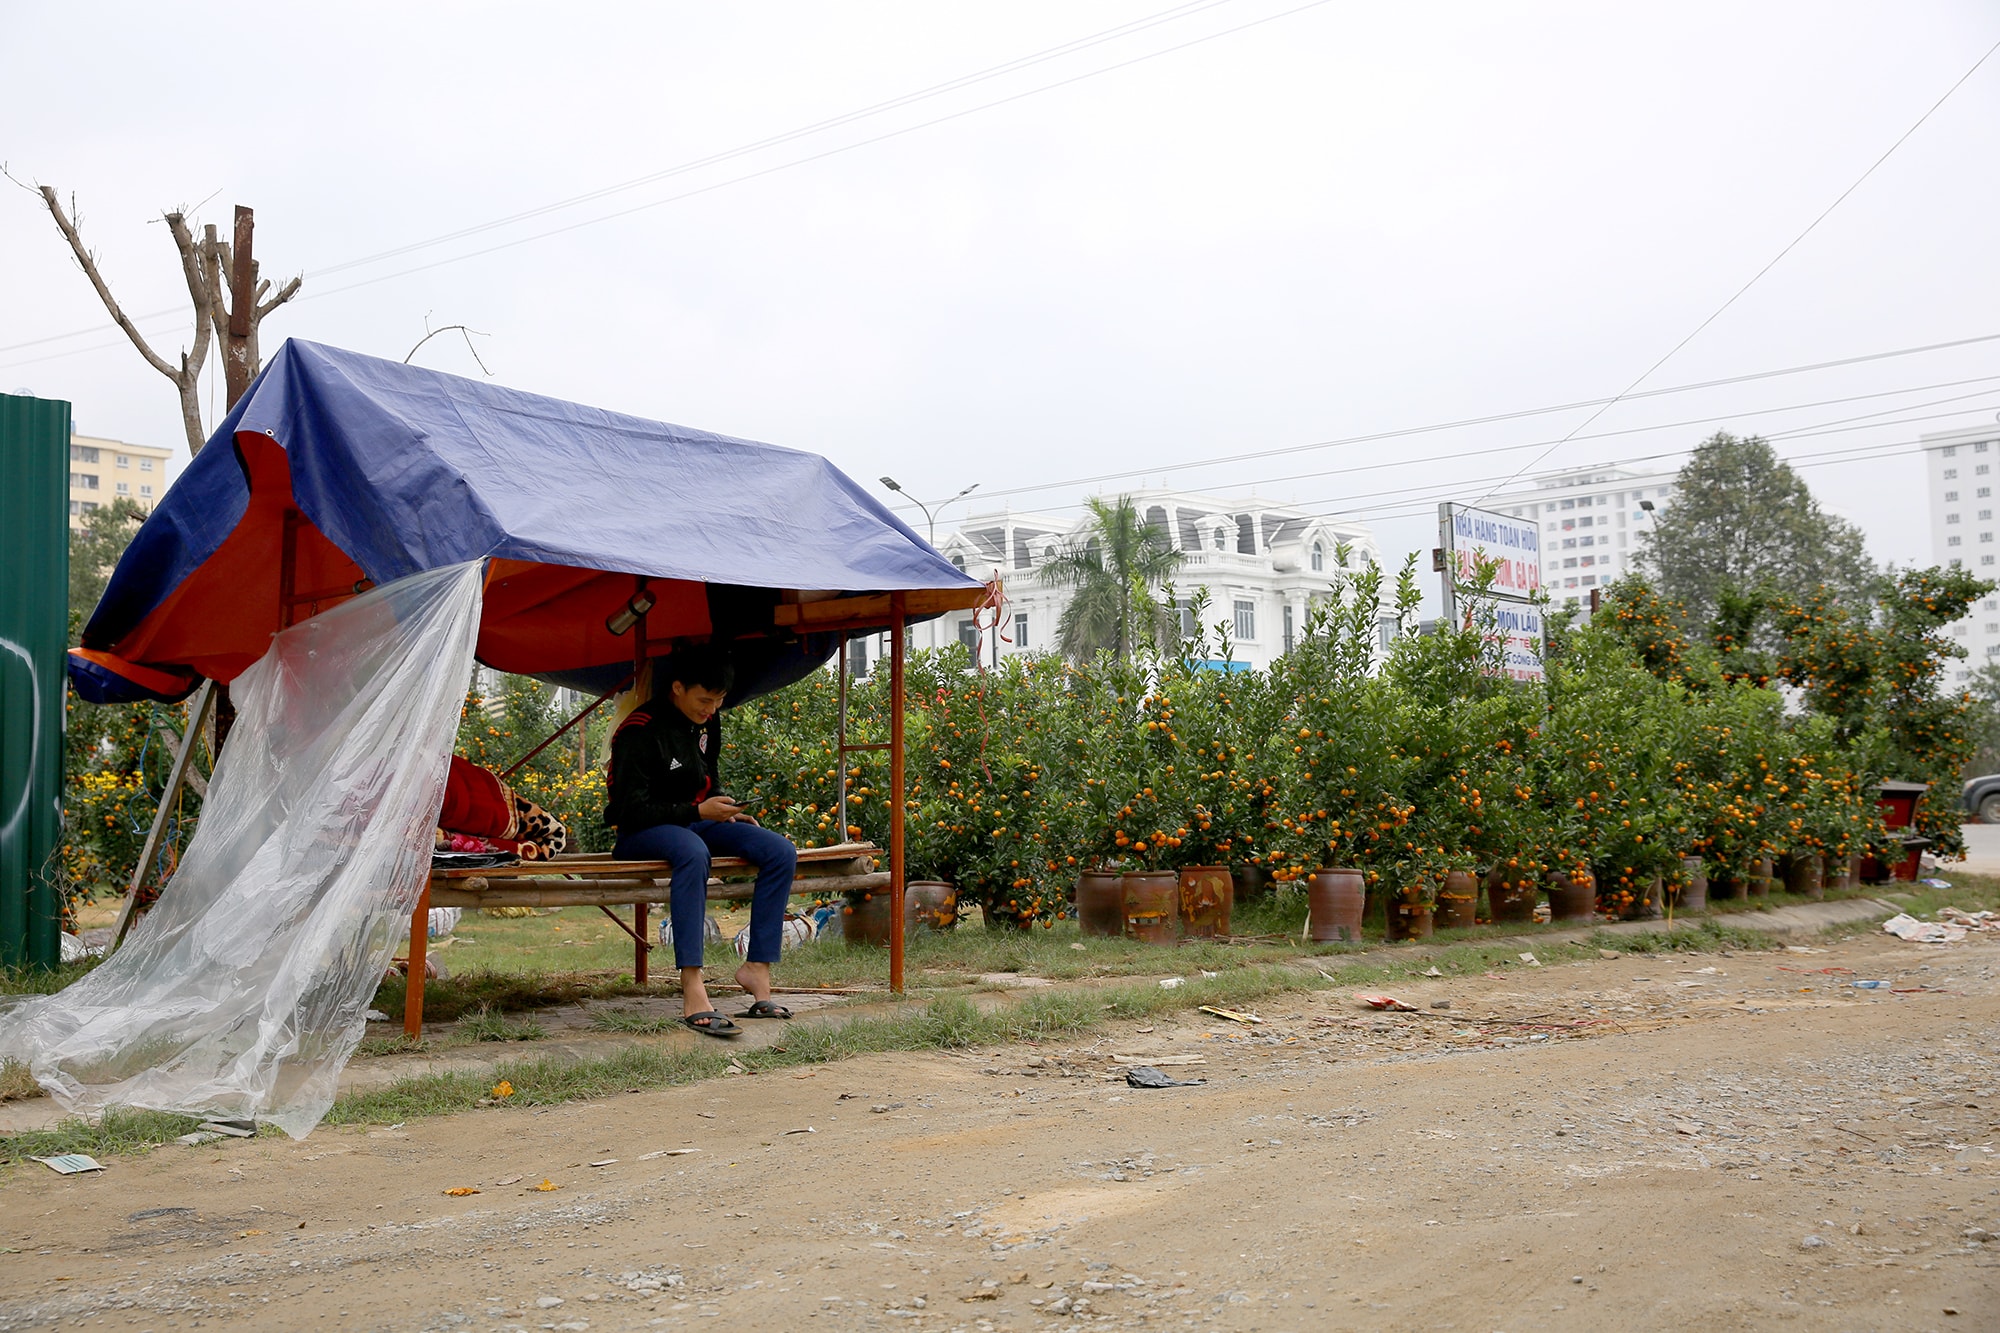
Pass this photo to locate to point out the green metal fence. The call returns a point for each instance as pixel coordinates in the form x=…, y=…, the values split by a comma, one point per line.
x=34, y=629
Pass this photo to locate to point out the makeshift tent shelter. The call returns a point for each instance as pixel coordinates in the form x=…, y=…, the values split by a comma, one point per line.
x=337, y=469
x=607, y=539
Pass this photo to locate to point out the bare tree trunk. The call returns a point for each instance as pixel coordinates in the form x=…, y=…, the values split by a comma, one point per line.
x=203, y=265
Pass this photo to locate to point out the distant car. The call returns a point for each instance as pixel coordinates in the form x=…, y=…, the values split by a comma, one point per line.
x=1982, y=798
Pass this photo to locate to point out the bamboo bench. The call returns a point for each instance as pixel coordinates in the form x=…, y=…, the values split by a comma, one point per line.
x=594, y=879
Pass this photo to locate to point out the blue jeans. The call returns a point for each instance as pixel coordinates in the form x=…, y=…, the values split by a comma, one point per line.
x=688, y=848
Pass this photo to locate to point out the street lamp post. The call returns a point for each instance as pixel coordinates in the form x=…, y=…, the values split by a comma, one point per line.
x=930, y=518
x=930, y=521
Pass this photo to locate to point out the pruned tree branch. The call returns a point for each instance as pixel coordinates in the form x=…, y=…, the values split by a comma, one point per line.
x=285, y=293
x=228, y=304
x=88, y=262
x=188, y=382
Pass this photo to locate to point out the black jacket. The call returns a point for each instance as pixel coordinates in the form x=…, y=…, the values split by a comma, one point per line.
x=662, y=767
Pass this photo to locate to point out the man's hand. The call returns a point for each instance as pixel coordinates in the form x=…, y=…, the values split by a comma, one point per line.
x=721, y=809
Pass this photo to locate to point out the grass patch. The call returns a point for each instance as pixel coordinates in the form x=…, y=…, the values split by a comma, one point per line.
x=485, y=1025
x=1689, y=935
x=616, y=1020
x=1968, y=893
x=16, y=1083
x=451, y=998
x=118, y=1130
x=951, y=1022
x=43, y=980
x=400, y=1044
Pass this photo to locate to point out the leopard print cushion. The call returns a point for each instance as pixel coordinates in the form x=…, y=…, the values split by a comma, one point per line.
x=541, y=834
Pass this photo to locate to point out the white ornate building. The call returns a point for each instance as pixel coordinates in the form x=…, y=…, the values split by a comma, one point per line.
x=1262, y=563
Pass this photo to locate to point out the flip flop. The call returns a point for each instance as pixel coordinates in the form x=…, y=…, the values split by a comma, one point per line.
x=766, y=1009
x=710, y=1023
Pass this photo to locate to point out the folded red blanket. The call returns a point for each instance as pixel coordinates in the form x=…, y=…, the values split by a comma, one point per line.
x=478, y=803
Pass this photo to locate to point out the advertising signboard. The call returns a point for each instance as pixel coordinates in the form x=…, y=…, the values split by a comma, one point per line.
x=1513, y=547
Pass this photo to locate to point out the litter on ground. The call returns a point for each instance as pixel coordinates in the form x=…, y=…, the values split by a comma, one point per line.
x=1950, y=927
x=1145, y=1076
x=69, y=1163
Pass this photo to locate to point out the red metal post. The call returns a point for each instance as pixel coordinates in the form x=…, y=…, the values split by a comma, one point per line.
x=288, y=566
x=639, y=949
x=896, y=794
x=413, y=990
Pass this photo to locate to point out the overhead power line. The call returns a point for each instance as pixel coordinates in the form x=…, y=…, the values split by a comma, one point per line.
x=1248, y=455
x=1431, y=492
x=1755, y=277
x=817, y=157
x=817, y=127
x=1165, y=16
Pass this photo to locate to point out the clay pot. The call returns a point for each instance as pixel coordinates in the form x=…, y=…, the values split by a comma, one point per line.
x=865, y=919
x=1207, y=893
x=1760, y=877
x=1252, y=881
x=1510, y=899
x=1410, y=915
x=1805, y=875
x=1573, y=897
x=929, y=905
x=1336, y=897
x=1842, y=873
x=1457, y=901
x=1692, y=894
x=1653, y=906
x=1152, y=906
x=1100, y=903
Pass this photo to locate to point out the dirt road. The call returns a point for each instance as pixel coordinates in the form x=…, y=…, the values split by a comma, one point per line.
x=1720, y=1141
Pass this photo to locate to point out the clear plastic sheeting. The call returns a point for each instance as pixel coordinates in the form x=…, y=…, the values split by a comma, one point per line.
x=246, y=988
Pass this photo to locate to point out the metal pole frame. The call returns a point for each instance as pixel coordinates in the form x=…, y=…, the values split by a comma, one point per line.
x=897, y=652
x=198, y=708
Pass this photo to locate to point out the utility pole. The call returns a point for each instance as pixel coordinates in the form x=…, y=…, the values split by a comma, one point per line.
x=237, y=367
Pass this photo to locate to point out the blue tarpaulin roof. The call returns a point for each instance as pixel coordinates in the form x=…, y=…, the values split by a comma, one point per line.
x=380, y=470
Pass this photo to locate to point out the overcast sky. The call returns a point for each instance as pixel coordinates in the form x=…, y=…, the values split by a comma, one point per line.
x=1307, y=224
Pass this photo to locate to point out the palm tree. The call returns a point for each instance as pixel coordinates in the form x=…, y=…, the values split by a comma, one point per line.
x=1114, y=573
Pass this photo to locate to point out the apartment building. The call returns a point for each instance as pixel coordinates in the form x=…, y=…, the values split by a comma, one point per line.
x=101, y=471
x=1959, y=477
x=1592, y=522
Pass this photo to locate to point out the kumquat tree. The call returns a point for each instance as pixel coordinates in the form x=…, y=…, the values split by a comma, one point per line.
x=1405, y=755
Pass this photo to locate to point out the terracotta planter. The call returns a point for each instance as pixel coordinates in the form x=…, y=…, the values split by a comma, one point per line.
x=1573, y=898
x=930, y=905
x=1152, y=905
x=1409, y=917
x=1252, y=881
x=1207, y=893
x=1805, y=875
x=1510, y=896
x=1842, y=873
x=864, y=920
x=1692, y=895
x=1457, y=901
x=1336, y=897
x=1760, y=877
x=1100, y=903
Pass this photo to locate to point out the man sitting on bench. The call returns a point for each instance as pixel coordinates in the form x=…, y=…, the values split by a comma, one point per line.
x=666, y=803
